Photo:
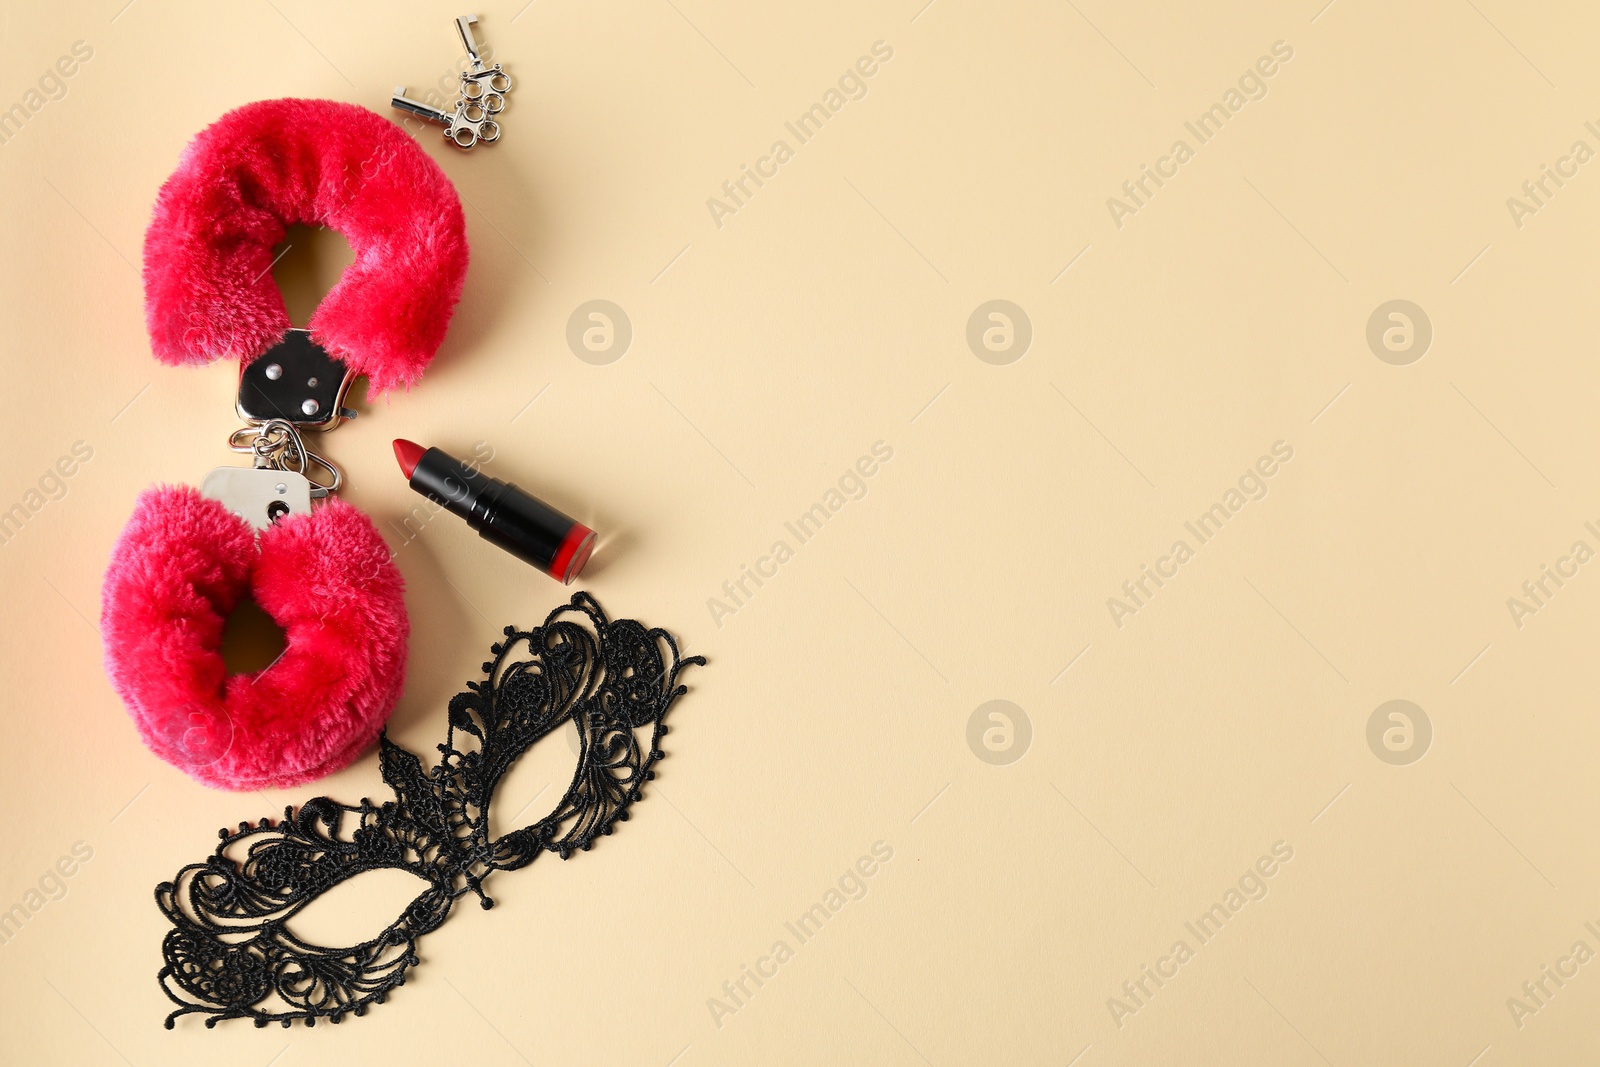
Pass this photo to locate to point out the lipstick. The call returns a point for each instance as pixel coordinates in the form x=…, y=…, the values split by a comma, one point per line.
x=502, y=514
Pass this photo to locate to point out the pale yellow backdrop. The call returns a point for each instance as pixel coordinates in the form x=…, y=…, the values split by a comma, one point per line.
x=1153, y=753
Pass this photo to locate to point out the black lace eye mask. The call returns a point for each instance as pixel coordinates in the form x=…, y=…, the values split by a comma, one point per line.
x=230, y=953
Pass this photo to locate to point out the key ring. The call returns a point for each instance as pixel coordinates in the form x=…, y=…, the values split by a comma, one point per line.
x=464, y=127
x=323, y=573
x=480, y=74
x=470, y=119
x=493, y=98
x=466, y=135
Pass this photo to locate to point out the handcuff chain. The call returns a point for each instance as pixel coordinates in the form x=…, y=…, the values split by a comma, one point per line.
x=277, y=445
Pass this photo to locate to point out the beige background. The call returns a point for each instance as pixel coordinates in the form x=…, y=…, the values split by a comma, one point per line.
x=829, y=313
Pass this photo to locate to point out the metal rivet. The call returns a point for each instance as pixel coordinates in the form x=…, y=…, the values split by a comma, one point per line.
x=310, y=407
x=312, y=382
x=282, y=489
x=274, y=372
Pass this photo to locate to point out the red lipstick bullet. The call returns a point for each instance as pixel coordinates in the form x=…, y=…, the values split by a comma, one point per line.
x=502, y=514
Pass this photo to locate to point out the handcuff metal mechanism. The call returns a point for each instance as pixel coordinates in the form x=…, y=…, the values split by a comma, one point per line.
x=295, y=385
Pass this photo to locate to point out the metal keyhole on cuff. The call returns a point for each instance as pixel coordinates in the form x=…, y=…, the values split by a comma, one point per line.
x=293, y=386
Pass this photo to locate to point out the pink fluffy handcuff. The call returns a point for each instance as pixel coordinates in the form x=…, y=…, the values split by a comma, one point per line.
x=188, y=557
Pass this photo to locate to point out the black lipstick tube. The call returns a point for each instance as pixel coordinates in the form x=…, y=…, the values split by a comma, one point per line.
x=504, y=515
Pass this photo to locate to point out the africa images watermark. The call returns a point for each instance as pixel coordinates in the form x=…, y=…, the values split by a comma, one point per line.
x=51, y=486
x=52, y=886
x=1252, y=485
x=1251, y=886
x=1252, y=85
x=852, y=85
x=1539, y=191
x=411, y=525
x=1537, y=992
x=852, y=485
x=736, y=993
x=52, y=86
x=1538, y=592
